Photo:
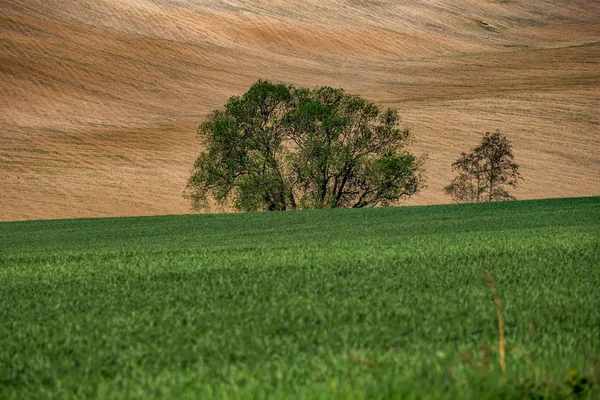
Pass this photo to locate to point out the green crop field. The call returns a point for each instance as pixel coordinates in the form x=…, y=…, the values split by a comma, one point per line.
x=374, y=303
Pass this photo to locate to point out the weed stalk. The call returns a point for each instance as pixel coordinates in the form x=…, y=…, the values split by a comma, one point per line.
x=501, y=348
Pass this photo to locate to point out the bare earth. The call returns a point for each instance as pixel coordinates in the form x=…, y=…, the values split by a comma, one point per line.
x=100, y=99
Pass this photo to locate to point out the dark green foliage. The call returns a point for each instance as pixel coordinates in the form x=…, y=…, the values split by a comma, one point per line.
x=361, y=304
x=576, y=386
x=485, y=171
x=579, y=385
x=244, y=151
x=279, y=147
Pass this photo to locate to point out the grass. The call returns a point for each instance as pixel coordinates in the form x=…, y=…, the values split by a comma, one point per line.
x=377, y=303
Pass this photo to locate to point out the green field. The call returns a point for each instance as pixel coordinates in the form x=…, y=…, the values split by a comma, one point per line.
x=373, y=303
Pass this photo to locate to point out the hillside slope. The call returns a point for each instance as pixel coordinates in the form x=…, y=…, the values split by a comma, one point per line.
x=100, y=100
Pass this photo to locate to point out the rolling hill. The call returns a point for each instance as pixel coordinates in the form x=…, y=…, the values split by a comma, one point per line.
x=100, y=100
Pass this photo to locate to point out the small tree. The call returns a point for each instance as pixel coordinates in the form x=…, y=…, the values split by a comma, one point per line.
x=278, y=147
x=485, y=171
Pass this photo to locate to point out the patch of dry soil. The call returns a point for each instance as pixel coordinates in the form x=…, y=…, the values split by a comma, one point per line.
x=100, y=100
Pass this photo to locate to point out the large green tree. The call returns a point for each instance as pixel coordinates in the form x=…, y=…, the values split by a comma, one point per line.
x=278, y=147
x=484, y=173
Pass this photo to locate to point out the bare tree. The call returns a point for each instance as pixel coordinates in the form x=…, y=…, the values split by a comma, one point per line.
x=485, y=171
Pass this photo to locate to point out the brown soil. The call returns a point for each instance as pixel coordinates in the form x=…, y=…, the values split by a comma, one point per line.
x=100, y=100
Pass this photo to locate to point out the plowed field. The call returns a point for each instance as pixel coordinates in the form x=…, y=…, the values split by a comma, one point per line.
x=100, y=100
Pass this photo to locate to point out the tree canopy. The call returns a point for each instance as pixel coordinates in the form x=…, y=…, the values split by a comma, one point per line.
x=278, y=147
x=485, y=171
